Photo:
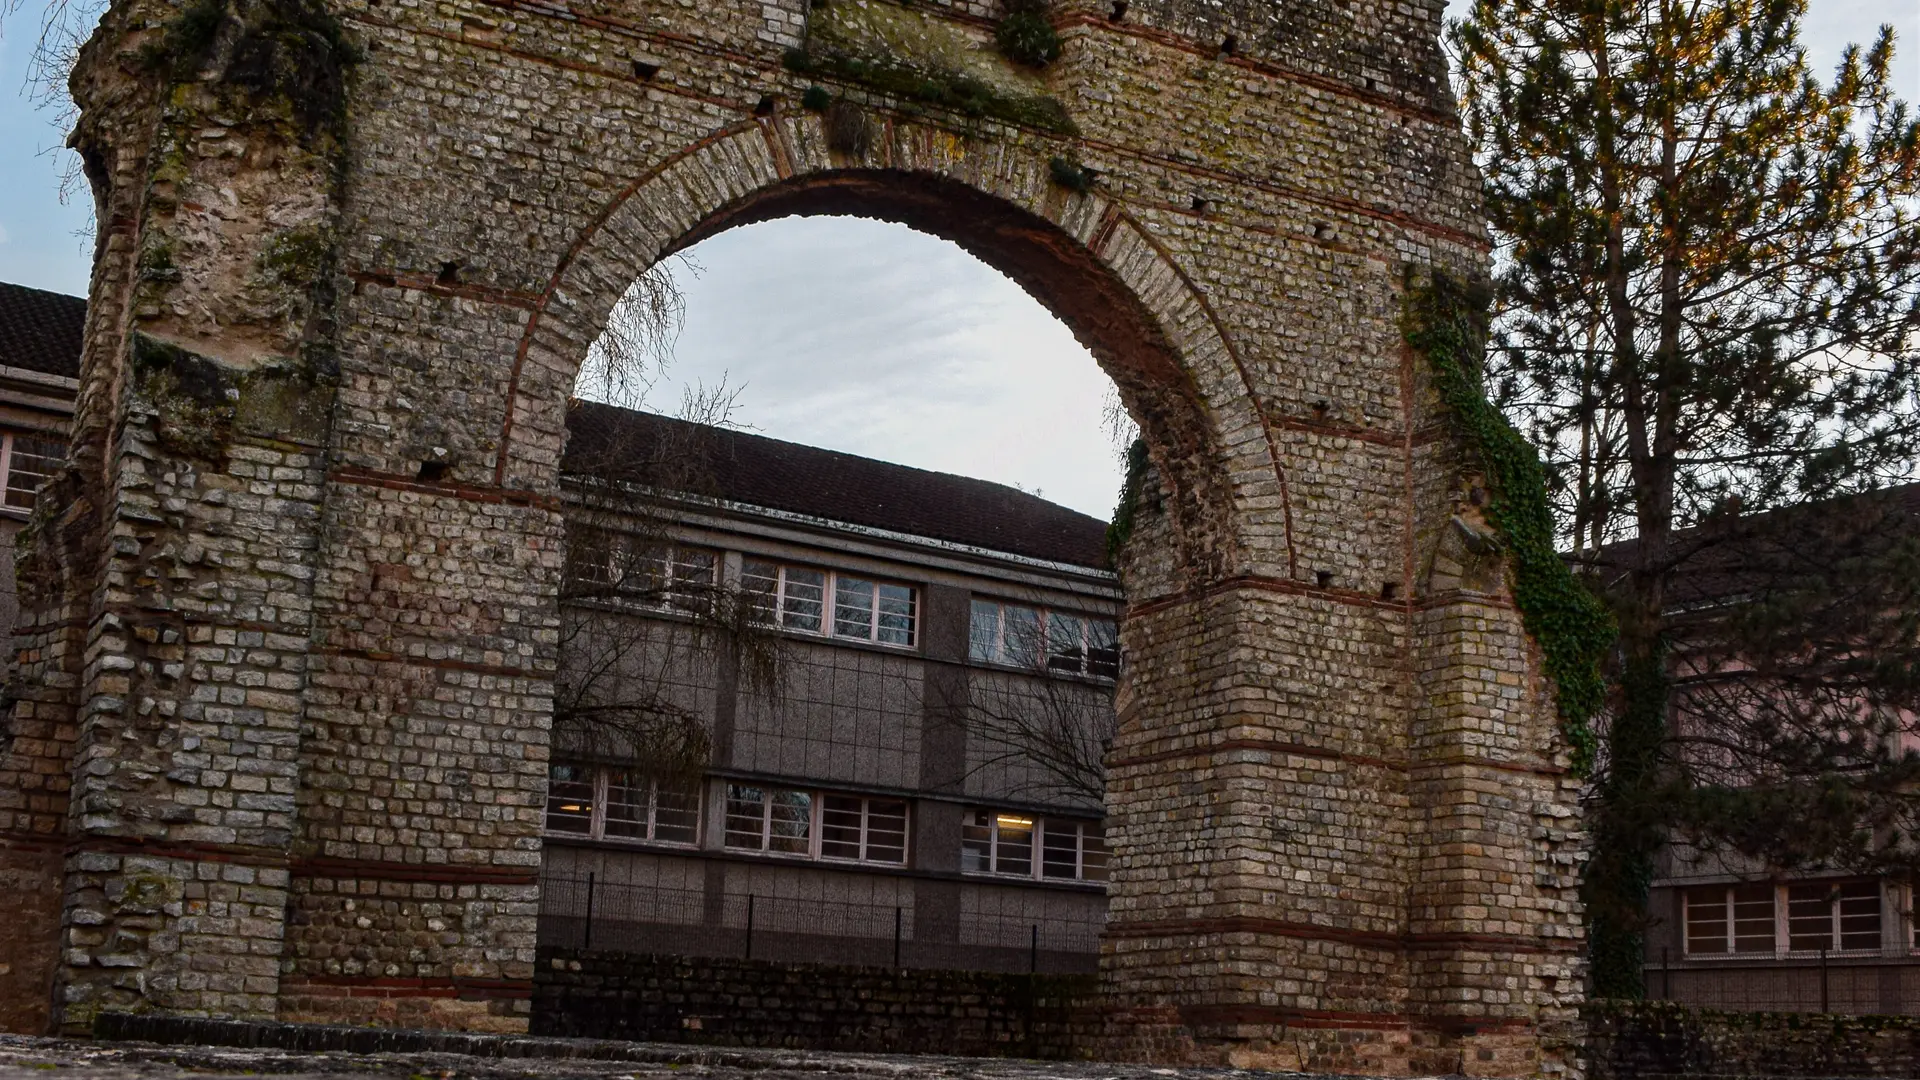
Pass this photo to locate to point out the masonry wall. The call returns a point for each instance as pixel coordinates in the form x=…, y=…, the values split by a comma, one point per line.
x=315, y=521
x=720, y=1002
x=1656, y=1040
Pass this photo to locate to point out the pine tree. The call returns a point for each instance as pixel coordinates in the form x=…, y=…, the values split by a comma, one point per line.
x=1708, y=282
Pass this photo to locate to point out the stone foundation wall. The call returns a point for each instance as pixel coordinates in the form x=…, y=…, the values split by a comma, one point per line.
x=1656, y=1040
x=728, y=1002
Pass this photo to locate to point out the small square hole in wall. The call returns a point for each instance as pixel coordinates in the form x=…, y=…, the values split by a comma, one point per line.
x=764, y=107
x=1389, y=590
x=449, y=273
x=1323, y=230
x=1324, y=578
x=434, y=471
x=1229, y=46
x=1202, y=204
x=645, y=70
x=1119, y=11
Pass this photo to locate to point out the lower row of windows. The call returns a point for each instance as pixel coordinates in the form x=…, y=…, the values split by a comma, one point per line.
x=1765, y=918
x=611, y=803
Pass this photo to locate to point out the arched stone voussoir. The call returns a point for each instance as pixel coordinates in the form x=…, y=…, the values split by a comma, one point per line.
x=1076, y=252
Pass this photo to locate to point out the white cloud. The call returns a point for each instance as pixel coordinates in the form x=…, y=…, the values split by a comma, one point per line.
x=870, y=338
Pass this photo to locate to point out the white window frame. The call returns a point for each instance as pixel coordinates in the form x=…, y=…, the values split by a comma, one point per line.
x=830, y=600
x=1002, y=656
x=7, y=437
x=1782, y=916
x=1041, y=825
x=672, y=561
x=600, y=777
x=816, y=804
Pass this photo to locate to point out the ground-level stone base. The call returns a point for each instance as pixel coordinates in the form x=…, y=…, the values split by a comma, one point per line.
x=1655, y=1040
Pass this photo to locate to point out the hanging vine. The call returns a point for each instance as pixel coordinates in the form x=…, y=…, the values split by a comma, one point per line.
x=1445, y=321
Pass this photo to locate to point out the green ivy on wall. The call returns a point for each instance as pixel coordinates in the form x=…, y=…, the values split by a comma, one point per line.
x=1445, y=321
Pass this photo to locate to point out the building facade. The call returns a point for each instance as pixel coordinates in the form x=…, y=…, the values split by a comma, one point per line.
x=907, y=778
x=39, y=367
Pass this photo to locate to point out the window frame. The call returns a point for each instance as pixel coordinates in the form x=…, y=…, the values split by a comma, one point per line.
x=775, y=611
x=9, y=436
x=816, y=827
x=672, y=558
x=1041, y=826
x=599, y=781
x=1782, y=933
x=1045, y=658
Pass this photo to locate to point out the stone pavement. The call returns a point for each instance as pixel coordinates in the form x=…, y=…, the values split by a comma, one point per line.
x=28, y=1058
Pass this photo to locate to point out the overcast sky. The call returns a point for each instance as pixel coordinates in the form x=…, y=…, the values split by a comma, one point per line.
x=850, y=334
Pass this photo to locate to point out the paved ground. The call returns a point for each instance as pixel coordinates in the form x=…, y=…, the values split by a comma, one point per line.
x=24, y=1058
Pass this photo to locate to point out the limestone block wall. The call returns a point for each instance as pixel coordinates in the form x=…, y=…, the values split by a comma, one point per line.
x=294, y=625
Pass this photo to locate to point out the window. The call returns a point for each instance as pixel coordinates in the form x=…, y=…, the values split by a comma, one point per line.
x=1730, y=919
x=828, y=602
x=1743, y=919
x=1033, y=637
x=620, y=804
x=1833, y=915
x=27, y=460
x=852, y=828
x=1022, y=845
x=644, y=571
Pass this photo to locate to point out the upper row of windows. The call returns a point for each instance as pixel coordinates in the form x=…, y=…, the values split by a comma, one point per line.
x=832, y=603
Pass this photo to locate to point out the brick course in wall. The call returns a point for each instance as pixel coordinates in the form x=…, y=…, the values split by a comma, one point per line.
x=287, y=666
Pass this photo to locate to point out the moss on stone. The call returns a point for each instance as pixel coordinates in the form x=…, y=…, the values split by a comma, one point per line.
x=1445, y=321
x=297, y=257
x=288, y=56
x=920, y=58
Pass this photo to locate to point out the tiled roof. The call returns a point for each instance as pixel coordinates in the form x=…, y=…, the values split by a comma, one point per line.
x=41, y=330
x=751, y=469
x=1740, y=555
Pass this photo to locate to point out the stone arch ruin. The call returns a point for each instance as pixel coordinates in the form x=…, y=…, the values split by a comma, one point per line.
x=277, y=746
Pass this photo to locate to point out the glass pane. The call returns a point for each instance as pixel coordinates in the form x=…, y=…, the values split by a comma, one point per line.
x=853, y=608
x=640, y=570
x=791, y=824
x=806, y=592
x=1707, y=920
x=693, y=578
x=569, y=798
x=1093, y=852
x=746, y=817
x=761, y=582
x=626, y=806
x=983, y=634
x=1753, y=918
x=976, y=842
x=1103, y=649
x=1013, y=846
x=1066, y=639
x=1860, y=915
x=839, y=827
x=1022, y=641
x=1060, y=849
x=886, y=831
x=33, y=461
x=1810, y=916
x=589, y=552
x=676, y=811
x=896, y=615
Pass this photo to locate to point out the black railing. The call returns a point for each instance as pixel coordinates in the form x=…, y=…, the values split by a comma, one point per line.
x=1860, y=982
x=584, y=913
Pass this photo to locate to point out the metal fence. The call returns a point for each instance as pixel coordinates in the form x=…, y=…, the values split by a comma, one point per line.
x=583, y=913
x=1887, y=983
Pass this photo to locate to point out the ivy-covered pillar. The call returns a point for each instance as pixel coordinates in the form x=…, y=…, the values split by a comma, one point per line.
x=182, y=534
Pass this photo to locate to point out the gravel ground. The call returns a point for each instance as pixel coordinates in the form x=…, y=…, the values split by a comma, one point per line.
x=26, y=1058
